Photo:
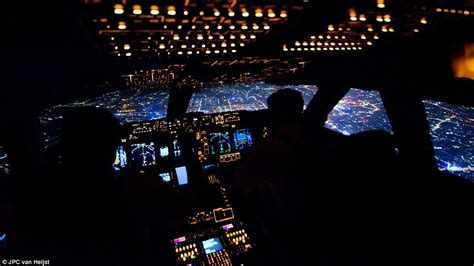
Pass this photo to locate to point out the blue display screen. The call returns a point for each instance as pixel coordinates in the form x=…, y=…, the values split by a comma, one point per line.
x=120, y=159
x=212, y=245
x=182, y=175
x=452, y=134
x=242, y=139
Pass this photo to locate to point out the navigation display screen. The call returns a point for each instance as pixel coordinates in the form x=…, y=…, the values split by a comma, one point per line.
x=242, y=139
x=212, y=245
x=452, y=134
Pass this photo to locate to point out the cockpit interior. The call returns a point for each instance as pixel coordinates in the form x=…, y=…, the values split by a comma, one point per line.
x=237, y=132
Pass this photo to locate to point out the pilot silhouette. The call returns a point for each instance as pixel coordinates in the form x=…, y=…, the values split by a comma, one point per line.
x=86, y=223
x=264, y=183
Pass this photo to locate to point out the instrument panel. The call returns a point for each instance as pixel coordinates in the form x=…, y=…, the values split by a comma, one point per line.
x=216, y=138
x=187, y=152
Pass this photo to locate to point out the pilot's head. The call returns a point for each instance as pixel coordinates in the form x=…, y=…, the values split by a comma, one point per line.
x=89, y=136
x=285, y=105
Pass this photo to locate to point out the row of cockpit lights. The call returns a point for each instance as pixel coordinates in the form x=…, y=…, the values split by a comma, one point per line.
x=171, y=11
x=454, y=11
x=231, y=27
x=123, y=26
x=205, y=49
x=154, y=10
x=331, y=43
x=336, y=39
x=190, y=52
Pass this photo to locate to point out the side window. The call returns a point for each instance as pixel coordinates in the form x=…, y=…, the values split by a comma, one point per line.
x=452, y=135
